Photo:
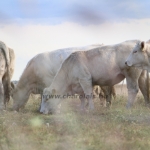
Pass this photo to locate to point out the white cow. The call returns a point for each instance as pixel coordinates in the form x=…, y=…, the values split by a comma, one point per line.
x=140, y=56
x=103, y=66
x=39, y=74
x=7, y=59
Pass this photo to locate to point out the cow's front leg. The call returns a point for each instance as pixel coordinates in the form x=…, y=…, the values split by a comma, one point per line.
x=82, y=99
x=133, y=88
x=131, y=97
x=86, y=85
x=90, y=100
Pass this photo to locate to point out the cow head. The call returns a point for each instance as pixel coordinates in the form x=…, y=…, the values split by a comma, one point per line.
x=19, y=99
x=50, y=101
x=139, y=56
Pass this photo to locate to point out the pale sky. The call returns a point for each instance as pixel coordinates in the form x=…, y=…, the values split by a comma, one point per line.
x=34, y=26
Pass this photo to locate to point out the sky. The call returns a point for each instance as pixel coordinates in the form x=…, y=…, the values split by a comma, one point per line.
x=34, y=26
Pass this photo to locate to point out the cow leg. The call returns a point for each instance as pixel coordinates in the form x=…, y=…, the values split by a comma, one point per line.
x=143, y=86
x=132, y=86
x=113, y=92
x=107, y=90
x=86, y=85
x=5, y=82
x=82, y=106
x=102, y=100
x=2, y=106
x=96, y=92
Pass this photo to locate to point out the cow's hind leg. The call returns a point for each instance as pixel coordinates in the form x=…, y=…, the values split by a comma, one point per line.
x=143, y=86
x=107, y=90
x=2, y=106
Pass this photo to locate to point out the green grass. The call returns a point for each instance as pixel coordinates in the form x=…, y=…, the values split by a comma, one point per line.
x=114, y=128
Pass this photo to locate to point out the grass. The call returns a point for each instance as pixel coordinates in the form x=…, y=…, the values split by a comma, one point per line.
x=114, y=128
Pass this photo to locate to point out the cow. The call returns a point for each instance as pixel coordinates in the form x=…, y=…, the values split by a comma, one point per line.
x=39, y=74
x=103, y=66
x=140, y=56
x=7, y=64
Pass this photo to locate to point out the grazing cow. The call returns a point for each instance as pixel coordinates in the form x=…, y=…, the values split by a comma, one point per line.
x=103, y=66
x=39, y=74
x=7, y=59
x=140, y=56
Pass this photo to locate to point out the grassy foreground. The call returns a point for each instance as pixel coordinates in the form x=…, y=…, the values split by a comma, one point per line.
x=114, y=128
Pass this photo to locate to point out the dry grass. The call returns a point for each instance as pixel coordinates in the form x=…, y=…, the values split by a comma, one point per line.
x=114, y=128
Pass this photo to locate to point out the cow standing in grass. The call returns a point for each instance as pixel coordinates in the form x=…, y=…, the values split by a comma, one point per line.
x=39, y=74
x=103, y=66
x=7, y=58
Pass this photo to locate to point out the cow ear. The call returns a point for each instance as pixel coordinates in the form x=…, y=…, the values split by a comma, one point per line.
x=53, y=91
x=142, y=45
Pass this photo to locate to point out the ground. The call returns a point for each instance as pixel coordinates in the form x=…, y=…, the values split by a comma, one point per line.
x=115, y=128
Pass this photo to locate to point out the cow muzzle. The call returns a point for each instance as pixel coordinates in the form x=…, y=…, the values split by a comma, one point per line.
x=127, y=63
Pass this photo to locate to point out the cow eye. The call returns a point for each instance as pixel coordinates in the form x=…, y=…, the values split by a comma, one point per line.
x=134, y=51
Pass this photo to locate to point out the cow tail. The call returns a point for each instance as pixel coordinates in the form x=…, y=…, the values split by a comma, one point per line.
x=6, y=54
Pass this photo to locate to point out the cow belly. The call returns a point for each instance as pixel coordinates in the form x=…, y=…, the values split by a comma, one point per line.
x=118, y=79
x=109, y=81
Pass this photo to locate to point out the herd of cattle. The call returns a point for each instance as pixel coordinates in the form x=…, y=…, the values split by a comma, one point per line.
x=77, y=70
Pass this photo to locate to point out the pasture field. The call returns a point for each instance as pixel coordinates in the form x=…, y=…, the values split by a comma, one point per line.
x=114, y=128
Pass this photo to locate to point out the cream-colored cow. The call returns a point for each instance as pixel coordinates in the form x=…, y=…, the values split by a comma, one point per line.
x=103, y=66
x=39, y=74
x=7, y=59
